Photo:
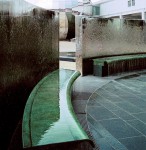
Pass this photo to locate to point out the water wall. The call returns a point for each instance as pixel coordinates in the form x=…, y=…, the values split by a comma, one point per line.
x=107, y=37
x=28, y=51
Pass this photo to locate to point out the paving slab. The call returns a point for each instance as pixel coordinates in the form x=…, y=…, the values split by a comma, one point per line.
x=115, y=109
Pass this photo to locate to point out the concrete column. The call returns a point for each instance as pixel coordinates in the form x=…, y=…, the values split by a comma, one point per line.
x=79, y=49
x=121, y=16
x=143, y=15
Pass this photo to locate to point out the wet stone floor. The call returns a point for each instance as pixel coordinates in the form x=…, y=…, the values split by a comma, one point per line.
x=116, y=113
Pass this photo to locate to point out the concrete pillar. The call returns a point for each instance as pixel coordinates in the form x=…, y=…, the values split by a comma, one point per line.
x=143, y=15
x=79, y=49
x=63, y=25
x=121, y=16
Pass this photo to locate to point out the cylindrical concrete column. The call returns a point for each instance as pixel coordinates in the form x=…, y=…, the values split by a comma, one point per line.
x=63, y=25
x=121, y=16
x=67, y=25
x=143, y=15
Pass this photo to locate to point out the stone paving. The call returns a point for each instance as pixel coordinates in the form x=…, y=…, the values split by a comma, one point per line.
x=113, y=110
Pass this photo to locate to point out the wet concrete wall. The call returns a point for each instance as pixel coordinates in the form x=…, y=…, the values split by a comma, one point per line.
x=108, y=37
x=28, y=51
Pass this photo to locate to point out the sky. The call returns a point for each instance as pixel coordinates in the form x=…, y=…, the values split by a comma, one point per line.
x=54, y=4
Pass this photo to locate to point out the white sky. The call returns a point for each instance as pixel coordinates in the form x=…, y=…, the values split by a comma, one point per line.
x=54, y=4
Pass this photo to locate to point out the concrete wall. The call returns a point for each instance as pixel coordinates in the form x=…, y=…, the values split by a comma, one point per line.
x=106, y=37
x=28, y=51
x=113, y=37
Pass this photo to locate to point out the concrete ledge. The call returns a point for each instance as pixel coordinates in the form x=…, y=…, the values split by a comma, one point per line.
x=118, y=64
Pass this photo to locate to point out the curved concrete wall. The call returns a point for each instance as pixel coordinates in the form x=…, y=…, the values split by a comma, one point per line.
x=67, y=25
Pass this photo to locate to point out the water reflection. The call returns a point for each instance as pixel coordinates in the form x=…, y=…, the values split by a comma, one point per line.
x=65, y=129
